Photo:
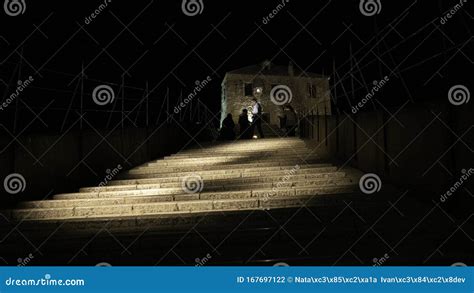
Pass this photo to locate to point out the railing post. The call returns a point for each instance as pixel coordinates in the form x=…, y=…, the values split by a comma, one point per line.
x=325, y=126
x=123, y=99
x=82, y=94
x=146, y=102
x=17, y=100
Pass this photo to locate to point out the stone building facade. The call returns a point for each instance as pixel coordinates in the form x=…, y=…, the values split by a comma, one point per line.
x=308, y=92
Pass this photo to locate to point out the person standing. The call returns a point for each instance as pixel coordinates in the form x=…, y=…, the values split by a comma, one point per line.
x=227, y=130
x=257, y=117
x=291, y=121
x=244, y=125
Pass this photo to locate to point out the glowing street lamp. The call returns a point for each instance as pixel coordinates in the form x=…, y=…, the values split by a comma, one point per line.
x=257, y=92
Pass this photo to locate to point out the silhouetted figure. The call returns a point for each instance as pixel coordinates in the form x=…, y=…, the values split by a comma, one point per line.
x=257, y=117
x=244, y=125
x=291, y=121
x=282, y=117
x=227, y=130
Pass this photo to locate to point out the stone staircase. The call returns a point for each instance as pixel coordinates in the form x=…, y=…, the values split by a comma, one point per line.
x=242, y=175
x=271, y=130
x=244, y=202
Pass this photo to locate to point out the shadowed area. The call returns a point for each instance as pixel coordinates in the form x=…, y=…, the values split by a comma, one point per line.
x=245, y=202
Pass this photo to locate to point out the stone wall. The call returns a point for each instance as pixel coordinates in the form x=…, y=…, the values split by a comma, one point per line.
x=57, y=163
x=234, y=99
x=423, y=148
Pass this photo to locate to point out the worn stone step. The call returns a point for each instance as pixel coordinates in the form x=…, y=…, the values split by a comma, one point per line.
x=282, y=199
x=217, y=166
x=243, y=175
x=70, y=200
x=232, y=185
x=262, y=166
x=211, y=174
x=230, y=178
x=248, y=150
x=210, y=154
x=277, y=146
x=227, y=169
x=243, y=151
x=173, y=189
x=91, y=202
x=234, y=159
x=262, y=143
x=330, y=206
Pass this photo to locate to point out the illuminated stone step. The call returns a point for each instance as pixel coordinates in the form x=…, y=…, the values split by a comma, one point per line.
x=91, y=202
x=261, y=192
x=266, y=143
x=244, y=145
x=248, y=183
x=234, y=159
x=291, y=151
x=173, y=189
x=262, y=166
x=248, y=149
x=233, y=152
x=242, y=175
x=225, y=169
x=211, y=174
x=244, y=151
x=222, y=165
x=295, y=197
x=228, y=177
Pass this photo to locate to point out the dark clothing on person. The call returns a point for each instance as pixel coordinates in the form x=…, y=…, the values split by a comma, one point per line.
x=281, y=116
x=244, y=124
x=291, y=122
x=227, y=130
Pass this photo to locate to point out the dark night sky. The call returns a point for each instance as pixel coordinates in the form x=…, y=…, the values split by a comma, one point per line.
x=169, y=49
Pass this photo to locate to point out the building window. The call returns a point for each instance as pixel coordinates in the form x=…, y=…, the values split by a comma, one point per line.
x=312, y=91
x=248, y=90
